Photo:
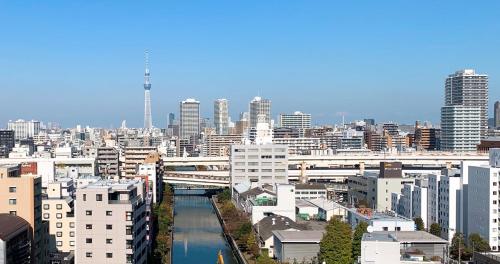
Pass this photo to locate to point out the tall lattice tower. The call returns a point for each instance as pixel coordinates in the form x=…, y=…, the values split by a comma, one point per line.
x=148, y=121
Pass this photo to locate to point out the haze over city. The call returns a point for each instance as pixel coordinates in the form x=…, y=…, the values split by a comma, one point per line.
x=82, y=62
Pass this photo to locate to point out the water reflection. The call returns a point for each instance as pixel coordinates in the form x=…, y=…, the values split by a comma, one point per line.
x=197, y=232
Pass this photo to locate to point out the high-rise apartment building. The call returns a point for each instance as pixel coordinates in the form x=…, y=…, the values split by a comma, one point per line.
x=111, y=222
x=189, y=118
x=21, y=195
x=460, y=128
x=427, y=138
x=296, y=120
x=496, y=115
x=134, y=156
x=469, y=89
x=108, y=161
x=24, y=129
x=260, y=106
x=221, y=117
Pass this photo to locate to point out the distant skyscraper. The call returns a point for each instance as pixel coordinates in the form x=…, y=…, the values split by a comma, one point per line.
x=260, y=106
x=148, y=122
x=221, y=117
x=497, y=114
x=189, y=118
x=296, y=120
x=171, y=119
x=469, y=89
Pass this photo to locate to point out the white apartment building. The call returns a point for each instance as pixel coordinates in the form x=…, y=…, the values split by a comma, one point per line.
x=433, y=199
x=259, y=164
x=460, y=128
x=299, y=146
x=483, y=200
x=297, y=120
x=380, y=190
x=449, y=196
x=420, y=204
x=24, y=129
x=111, y=222
x=221, y=117
x=58, y=210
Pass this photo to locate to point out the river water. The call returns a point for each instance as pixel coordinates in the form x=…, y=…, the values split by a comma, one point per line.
x=197, y=232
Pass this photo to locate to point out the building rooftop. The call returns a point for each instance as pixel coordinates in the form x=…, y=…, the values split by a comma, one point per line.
x=267, y=225
x=10, y=224
x=299, y=236
x=325, y=204
x=312, y=186
x=414, y=237
x=115, y=185
x=378, y=237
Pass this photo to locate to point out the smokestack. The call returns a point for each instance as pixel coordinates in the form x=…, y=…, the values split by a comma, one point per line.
x=303, y=175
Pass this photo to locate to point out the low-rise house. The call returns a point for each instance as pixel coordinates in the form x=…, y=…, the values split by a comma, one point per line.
x=310, y=191
x=267, y=225
x=306, y=210
x=328, y=209
x=379, y=221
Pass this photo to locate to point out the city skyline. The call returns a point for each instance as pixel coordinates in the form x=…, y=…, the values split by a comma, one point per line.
x=78, y=71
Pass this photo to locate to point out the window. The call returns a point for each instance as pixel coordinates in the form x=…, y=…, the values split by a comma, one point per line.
x=58, y=206
x=59, y=216
x=98, y=197
x=72, y=243
x=58, y=224
x=72, y=233
x=129, y=244
x=88, y=212
x=59, y=234
x=85, y=199
x=88, y=254
x=279, y=156
x=46, y=216
x=385, y=228
x=128, y=216
x=12, y=201
x=88, y=226
x=13, y=212
x=109, y=255
x=72, y=224
x=109, y=227
x=12, y=189
x=109, y=213
x=59, y=243
x=88, y=240
x=128, y=230
x=130, y=257
x=109, y=241
x=46, y=206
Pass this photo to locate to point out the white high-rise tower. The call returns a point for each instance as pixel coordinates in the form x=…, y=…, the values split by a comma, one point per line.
x=148, y=121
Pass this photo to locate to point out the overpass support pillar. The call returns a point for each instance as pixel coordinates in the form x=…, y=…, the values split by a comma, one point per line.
x=361, y=167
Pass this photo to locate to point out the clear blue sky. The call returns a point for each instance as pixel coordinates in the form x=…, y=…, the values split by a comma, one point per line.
x=81, y=62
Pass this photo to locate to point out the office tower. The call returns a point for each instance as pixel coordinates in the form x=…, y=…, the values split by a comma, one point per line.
x=7, y=142
x=21, y=195
x=369, y=121
x=260, y=106
x=460, y=128
x=497, y=115
x=111, y=222
x=171, y=119
x=16, y=240
x=148, y=122
x=189, y=118
x=24, y=129
x=296, y=120
x=58, y=210
x=108, y=161
x=221, y=117
x=469, y=89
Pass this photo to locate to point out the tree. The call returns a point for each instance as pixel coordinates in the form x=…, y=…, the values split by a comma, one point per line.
x=435, y=229
x=356, y=240
x=336, y=244
x=265, y=259
x=419, y=223
x=225, y=195
x=252, y=246
x=458, y=247
x=477, y=243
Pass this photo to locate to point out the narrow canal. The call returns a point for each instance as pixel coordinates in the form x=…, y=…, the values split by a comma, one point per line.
x=197, y=232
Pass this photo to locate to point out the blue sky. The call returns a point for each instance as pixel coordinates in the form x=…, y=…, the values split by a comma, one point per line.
x=81, y=62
